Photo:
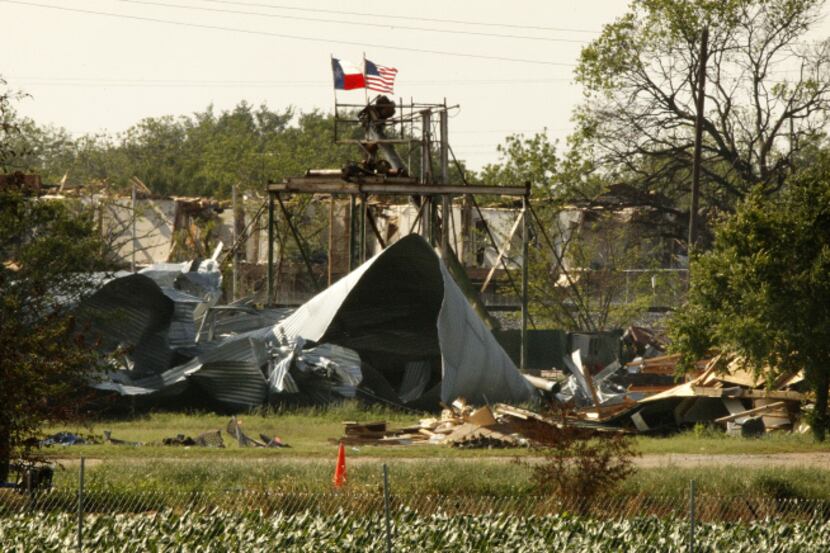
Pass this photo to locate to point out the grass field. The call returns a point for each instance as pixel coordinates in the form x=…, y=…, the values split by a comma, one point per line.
x=308, y=464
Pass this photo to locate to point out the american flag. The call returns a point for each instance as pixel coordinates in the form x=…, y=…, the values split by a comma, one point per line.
x=379, y=78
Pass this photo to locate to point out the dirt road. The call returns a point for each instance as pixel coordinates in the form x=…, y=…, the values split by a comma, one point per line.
x=668, y=460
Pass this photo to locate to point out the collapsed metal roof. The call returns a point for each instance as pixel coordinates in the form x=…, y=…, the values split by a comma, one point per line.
x=397, y=329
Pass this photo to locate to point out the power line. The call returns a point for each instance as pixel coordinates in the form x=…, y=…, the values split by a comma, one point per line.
x=287, y=36
x=358, y=23
x=406, y=17
x=160, y=83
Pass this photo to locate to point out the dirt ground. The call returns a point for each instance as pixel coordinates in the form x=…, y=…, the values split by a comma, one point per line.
x=667, y=460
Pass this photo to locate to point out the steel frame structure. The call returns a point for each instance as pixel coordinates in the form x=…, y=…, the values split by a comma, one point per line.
x=431, y=195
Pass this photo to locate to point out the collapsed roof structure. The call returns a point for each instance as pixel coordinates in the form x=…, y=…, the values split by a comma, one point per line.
x=396, y=329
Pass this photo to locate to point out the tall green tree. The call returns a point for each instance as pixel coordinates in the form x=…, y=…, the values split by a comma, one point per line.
x=11, y=149
x=767, y=98
x=47, y=250
x=763, y=290
x=204, y=154
x=578, y=277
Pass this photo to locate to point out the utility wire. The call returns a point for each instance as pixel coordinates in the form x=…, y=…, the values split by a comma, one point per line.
x=406, y=17
x=357, y=23
x=173, y=83
x=287, y=36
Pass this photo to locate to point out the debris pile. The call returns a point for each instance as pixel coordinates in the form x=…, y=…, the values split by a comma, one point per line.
x=234, y=428
x=463, y=426
x=727, y=393
x=644, y=395
x=398, y=329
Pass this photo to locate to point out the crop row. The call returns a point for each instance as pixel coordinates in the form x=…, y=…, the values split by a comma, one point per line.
x=216, y=530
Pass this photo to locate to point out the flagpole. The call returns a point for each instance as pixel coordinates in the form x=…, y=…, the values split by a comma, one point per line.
x=365, y=88
x=334, y=92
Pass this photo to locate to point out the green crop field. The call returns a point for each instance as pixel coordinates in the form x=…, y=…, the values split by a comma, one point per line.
x=215, y=530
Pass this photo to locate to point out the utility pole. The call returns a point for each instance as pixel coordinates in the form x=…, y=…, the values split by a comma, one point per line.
x=701, y=91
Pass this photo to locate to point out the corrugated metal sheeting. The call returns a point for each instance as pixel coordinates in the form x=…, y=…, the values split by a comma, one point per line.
x=397, y=328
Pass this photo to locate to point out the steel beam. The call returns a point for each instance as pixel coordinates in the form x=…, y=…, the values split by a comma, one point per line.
x=340, y=186
x=525, y=238
x=270, y=294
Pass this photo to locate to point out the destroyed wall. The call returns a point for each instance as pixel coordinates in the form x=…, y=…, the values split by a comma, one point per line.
x=154, y=225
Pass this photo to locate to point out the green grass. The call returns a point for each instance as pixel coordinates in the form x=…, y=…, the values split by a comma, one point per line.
x=309, y=431
x=718, y=443
x=733, y=480
x=309, y=463
x=445, y=477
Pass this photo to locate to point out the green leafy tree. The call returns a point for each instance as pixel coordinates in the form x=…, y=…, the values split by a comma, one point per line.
x=11, y=150
x=577, y=269
x=763, y=290
x=767, y=98
x=46, y=252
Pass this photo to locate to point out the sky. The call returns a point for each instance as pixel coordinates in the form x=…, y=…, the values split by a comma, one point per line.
x=102, y=65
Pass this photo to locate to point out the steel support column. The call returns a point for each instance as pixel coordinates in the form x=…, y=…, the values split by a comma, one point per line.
x=270, y=290
x=525, y=238
x=352, y=249
x=364, y=206
x=445, y=178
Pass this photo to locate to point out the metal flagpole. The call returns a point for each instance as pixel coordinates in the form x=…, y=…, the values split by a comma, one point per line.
x=365, y=89
x=334, y=92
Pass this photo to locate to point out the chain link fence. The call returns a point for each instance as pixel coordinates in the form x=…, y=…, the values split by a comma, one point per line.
x=96, y=519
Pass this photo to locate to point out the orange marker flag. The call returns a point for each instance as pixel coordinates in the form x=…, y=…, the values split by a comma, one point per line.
x=340, y=470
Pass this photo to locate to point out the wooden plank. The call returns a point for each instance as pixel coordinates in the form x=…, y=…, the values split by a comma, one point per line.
x=752, y=411
x=705, y=391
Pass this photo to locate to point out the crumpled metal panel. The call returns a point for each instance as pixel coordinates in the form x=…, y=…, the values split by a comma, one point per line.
x=279, y=379
x=339, y=364
x=474, y=365
x=131, y=311
x=416, y=378
x=230, y=373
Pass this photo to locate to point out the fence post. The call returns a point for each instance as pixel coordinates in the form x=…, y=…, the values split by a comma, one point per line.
x=30, y=493
x=81, y=506
x=386, y=508
x=692, y=490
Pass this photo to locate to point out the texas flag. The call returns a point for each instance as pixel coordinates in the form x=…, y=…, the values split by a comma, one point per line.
x=347, y=76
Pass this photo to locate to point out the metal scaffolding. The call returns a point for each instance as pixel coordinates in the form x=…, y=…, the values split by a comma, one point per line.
x=426, y=189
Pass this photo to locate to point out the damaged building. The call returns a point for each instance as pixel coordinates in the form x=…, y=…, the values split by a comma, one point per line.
x=398, y=329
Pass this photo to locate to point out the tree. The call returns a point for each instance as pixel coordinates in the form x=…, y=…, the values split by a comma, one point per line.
x=10, y=150
x=578, y=277
x=767, y=99
x=763, y=290
x=46, y=253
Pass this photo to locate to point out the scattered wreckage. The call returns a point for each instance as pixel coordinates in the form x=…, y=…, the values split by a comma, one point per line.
x=211, y=438
x=644, y=396
x=397, y=329
x=463, y=426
